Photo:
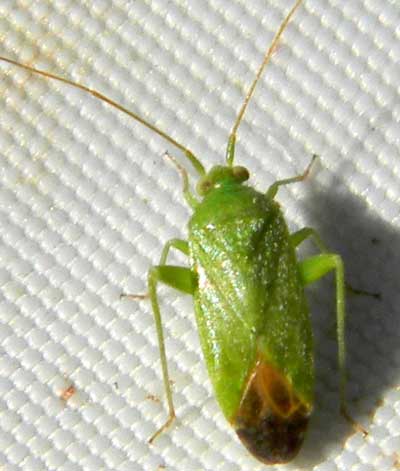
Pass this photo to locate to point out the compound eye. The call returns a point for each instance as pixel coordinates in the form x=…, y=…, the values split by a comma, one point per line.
x=241, y=174
x=204, y=186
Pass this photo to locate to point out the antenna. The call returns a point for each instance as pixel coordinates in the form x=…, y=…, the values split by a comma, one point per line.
x=189, y=154
x=230, y=151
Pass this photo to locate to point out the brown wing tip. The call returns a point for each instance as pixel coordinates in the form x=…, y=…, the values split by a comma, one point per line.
x=271, y=420
x=275, y=439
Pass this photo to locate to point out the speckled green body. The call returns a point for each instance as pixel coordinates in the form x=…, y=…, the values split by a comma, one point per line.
x=249, y=298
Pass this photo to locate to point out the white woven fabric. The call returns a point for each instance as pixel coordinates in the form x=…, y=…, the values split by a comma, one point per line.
x=87, y=202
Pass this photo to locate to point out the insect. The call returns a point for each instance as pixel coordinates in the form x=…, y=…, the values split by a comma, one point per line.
x=248, y=290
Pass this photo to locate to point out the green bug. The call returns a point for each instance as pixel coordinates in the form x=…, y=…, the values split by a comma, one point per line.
x=248, y=289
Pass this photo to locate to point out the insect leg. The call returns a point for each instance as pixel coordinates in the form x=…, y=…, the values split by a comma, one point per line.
x=178, y=244
x=300, y=236
x=188, y=195
x=181, y=279
x=273, y=189
x=311, y=270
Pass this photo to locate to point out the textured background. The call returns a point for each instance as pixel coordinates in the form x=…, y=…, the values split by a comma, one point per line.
x=87, y=202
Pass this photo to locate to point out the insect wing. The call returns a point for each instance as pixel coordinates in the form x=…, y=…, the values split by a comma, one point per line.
x=253, y=319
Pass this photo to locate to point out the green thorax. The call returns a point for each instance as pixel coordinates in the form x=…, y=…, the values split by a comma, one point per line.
x=249, y=300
